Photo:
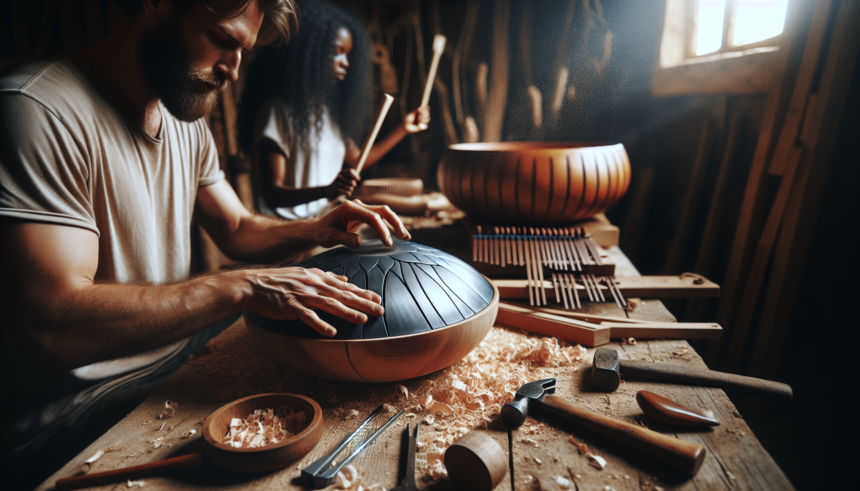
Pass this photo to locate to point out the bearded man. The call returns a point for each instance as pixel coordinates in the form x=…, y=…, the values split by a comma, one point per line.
x=103, y=162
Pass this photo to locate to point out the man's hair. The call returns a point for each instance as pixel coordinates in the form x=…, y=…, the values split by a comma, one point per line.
x=280, y=17
x=301, y=74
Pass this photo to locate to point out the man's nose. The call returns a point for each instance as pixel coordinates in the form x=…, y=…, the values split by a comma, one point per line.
x=229, y=65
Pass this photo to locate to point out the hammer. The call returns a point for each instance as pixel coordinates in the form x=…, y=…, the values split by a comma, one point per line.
x=680, y=454
x=607, y=369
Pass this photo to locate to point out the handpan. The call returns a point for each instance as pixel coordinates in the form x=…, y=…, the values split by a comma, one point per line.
x=534, y=183
x=437, y=310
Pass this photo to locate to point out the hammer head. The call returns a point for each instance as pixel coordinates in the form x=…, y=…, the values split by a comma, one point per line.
x=514, y=413
x=605, y=370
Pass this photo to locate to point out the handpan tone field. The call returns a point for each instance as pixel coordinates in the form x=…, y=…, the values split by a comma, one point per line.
x=437, y=310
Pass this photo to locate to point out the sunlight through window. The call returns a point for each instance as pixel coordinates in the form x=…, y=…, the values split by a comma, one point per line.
x=757, y=20
x=709, y=36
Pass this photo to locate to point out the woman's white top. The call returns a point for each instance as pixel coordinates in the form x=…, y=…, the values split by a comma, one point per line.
x=318, y=166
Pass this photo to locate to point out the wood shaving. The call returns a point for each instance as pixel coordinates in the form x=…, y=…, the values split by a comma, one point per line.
x=169, y=410
x=708, y=413
x=88, y=464
x=630, y=341
x=595, y=461
x=139, y=483
x=347, y=478
x=264, y=427
x=157, y=443
x=351, y=415
x=538, y=461
x=562, y=482
x=531, y=441
x=388, y=409
x=403, y=391
x=189, y=434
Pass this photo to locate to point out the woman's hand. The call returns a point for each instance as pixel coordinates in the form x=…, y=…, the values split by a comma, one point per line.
x=338, y=227
x=344, y=184
x=417, y=120
x=294, y=293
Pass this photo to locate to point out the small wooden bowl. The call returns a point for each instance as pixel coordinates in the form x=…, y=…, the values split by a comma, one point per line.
x=268, y=458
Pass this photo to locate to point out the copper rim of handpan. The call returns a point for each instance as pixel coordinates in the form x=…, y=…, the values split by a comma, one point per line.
x=534, y=183
x=332, y=358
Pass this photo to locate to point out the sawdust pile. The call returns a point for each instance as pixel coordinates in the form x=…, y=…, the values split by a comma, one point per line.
x=264, y=427
x=448, y=403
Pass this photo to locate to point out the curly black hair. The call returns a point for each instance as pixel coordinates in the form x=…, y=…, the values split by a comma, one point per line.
x=301, y=73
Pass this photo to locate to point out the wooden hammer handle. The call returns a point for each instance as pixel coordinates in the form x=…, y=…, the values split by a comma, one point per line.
x=127, y=473
x=682, y=455
x=708, y=378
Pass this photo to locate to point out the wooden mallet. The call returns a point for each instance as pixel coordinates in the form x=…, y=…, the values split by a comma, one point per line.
x=384, y=106
x=438, y=48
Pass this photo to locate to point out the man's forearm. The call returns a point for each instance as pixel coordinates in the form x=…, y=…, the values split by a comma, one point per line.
x=97, y=322
x=263, y=240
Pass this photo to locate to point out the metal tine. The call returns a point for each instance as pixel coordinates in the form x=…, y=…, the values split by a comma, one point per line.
x=506, y=254
x=592, y=245
x=529, y=274
x=563, y=285
x=500, y=247
x=574, y=296
x=567, y=291
x=519, y=247
x=555, y=287
x=540, y=294
x=565, y=260
x=530, y=246
x=568, y=244
x=546, y=250
x=509, y=242
x=597, y=288
x=587, y=286
x=605, y=279
x=575, y=291
x=541, y=255
x=475, y=245
x=550, y=250
x=580, y=247
x=611, y=281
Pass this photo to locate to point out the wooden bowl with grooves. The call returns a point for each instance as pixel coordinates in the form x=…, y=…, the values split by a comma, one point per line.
x=270, y=457
x=534, y=183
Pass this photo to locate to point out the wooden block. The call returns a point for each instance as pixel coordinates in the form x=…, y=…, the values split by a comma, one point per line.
x=630, y=286
x=581, y=332
x=665, y=330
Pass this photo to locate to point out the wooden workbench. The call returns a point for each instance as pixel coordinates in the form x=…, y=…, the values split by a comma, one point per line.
x=233, y=366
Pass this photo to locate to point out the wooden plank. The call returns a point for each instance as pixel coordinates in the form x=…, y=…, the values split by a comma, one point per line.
x=664, y=330
x=556, y=326
x=753, y=200
x=690, y=203
x=753, y=72
x=805, y=76
x=632, y=286
x=819, y=137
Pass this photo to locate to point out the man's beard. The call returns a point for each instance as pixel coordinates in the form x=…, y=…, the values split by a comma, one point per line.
x=186, y=92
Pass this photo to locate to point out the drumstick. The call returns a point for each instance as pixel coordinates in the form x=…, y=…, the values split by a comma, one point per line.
x=380, y=117
x=438, y=49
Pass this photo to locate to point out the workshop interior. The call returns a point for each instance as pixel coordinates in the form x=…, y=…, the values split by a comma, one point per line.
x=379, y=245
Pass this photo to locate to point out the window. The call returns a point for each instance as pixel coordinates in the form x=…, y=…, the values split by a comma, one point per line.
x=720, y=46
x=722, y=25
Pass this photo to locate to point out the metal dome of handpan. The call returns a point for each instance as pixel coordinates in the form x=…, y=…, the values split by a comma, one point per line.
x=437, y=309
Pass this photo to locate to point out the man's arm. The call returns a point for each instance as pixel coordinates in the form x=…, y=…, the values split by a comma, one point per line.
x=67, y=320
x=252, y=238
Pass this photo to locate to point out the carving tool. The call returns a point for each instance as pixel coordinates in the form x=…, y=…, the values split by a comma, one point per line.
x=322, y=472
x=408, y=482
x=668, y=412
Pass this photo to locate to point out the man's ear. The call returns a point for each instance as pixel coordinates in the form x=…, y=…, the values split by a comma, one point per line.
x=158, y=9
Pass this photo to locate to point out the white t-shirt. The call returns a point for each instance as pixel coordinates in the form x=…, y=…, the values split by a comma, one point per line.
x=68, y=156
x=317, y=167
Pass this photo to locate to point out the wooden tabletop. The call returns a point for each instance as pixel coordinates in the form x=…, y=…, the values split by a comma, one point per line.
x=233, y=366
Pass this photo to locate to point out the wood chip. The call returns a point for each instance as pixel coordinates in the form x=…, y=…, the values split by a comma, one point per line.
x=139, y=483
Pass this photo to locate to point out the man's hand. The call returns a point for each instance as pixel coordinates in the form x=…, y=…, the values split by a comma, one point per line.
x=417, y=120
x=338, y=227
x=344, y=184
x=291, y=293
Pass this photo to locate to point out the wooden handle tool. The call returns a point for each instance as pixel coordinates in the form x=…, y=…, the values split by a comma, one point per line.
x=371, y=138
x=438, y=48
x=128, y=473
x=680, y=454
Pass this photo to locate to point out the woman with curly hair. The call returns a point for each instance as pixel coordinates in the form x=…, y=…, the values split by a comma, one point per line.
x=304, y=106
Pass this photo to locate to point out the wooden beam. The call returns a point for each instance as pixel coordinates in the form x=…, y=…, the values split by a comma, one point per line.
x=751, y=72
